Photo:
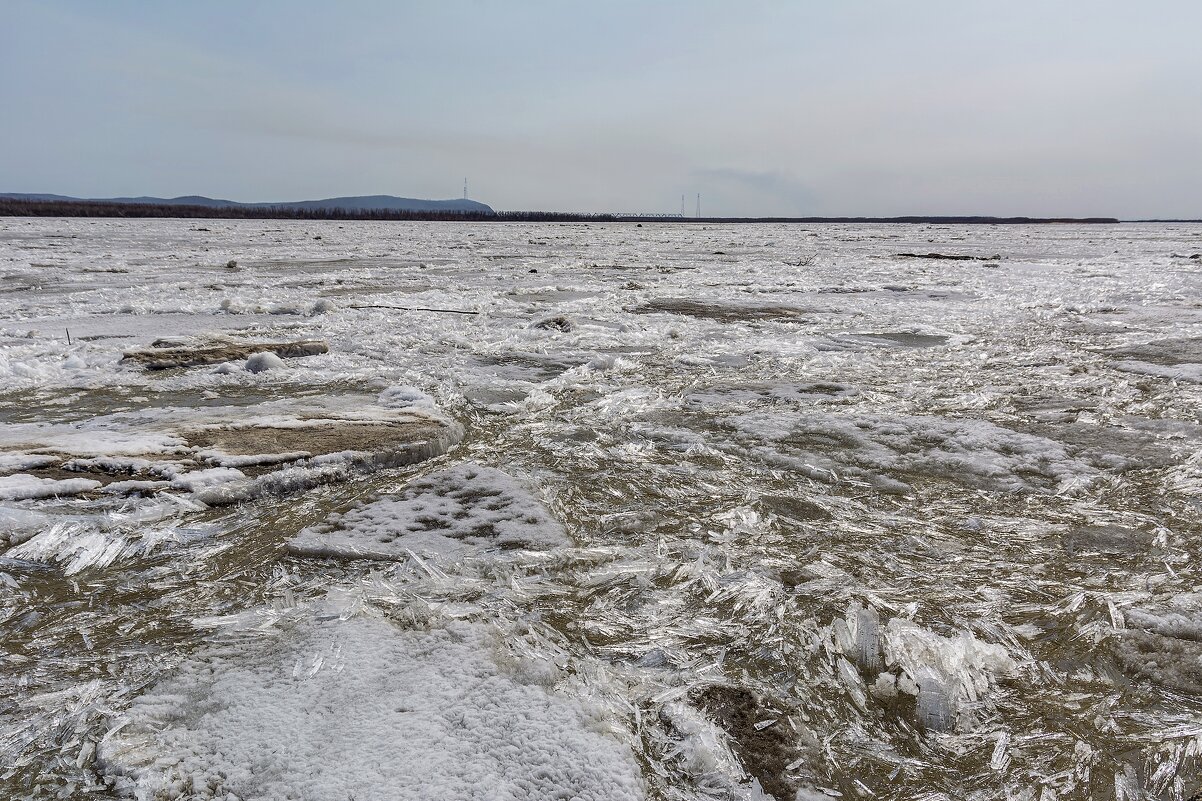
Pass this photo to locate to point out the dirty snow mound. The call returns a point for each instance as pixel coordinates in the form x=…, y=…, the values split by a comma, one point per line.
x=262, y=362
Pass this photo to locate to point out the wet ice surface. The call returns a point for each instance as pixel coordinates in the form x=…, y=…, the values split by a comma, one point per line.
x=746, y=510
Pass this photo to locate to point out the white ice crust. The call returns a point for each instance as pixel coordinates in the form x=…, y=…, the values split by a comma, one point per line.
x=362, y=708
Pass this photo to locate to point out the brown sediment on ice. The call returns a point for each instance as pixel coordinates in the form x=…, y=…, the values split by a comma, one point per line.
x=947, y=256
x=218, y=351
x=1105, y=540
x=794, y=507
x=902, y=339
x=722, y=312
x=765, y=749
x=1168, y=352
x=383, y=442
x=67, y=471
x=529, y=365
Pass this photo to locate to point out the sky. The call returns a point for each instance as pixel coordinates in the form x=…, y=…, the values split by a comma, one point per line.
x=861, y=107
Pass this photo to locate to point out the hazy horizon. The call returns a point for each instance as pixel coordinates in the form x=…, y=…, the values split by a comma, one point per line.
x=1061, y=109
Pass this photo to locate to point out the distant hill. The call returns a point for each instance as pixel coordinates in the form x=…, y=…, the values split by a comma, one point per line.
x=385, y=203
x=357, y=203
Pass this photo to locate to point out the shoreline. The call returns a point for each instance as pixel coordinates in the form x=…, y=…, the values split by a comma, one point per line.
x=86, y=209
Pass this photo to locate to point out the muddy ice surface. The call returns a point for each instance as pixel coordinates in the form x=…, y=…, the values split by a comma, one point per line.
x=680, y=512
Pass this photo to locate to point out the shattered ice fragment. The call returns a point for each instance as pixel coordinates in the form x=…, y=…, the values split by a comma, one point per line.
x=885, y=686
x=934, y=700
x=948, y=672
x=999, y=759
x=865, y=627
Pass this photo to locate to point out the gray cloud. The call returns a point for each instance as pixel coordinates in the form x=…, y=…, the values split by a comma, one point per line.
x=766, y=192
x=765, y=108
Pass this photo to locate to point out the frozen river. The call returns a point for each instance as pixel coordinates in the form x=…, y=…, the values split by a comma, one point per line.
x=676, y=512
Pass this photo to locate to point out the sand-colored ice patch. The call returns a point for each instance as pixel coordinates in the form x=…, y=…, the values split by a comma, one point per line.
x=218, y=351
x=722, y=312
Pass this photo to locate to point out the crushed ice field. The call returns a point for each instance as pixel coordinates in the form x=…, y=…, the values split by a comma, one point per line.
x=681, y=512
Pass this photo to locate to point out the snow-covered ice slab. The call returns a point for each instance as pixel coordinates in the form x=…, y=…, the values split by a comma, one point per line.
x=302, y=450
x=91, y=438
x=360, y=708
x=223, y=453
x=442, y=514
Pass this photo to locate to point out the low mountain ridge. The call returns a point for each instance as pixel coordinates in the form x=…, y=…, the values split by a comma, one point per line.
x=350, y=203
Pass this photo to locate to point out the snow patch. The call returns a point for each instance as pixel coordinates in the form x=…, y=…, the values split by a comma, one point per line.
x=16, y=462
x=359, y=708
x=23, y=487
x=405, y=397
x=973, y=452
x=196, y=480
x=439, y=514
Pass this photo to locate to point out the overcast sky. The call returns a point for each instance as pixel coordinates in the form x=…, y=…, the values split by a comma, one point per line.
x=864, y=107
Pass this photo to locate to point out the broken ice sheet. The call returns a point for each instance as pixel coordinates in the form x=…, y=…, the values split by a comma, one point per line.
x=999, y=449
